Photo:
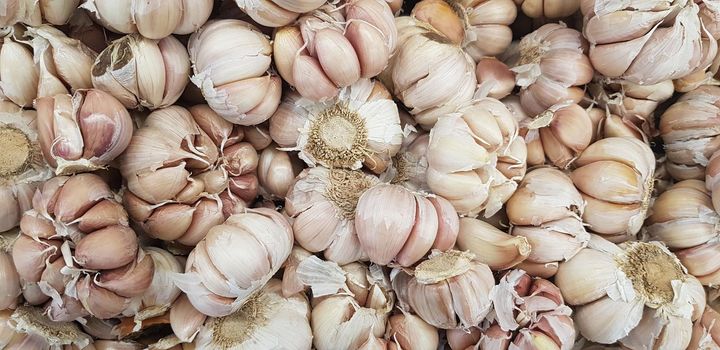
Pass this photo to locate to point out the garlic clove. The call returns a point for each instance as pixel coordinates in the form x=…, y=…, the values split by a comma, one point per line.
x=311, y=81
x=276, y=171
x=423, y=233
x=699, y=260
x=78, y=195
x=411, y=332
x=107, y=248
x=496, y=75
x=169, y=222
x=366, y=40
x=613, y=219
x=185, y=320
x=206, y=215
x=194, y=15
x=459, y=339
x=35, y=225
x=100, y=302
x=105, y=213
x=157, y=20
x=534, y=340
x=607, y=321
x=442, y=17
x=17, y=66
x=596, y=271
x=332, y=47
x=286, y=44
x=29, y=256
x=621, y=185
x=130, y=280
x=448, y=223
x=491, y=246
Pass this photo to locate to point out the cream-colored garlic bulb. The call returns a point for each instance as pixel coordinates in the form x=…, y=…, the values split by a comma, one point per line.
x=638, y=294
x=230, y=60
x=473, y=155
x=683, y=218
x=152, y=19
x=409, y=331
x=235, y=260
x=334, y=47
x=559, y=135
x=82, y=132
x=28, y=328
x=322, y=202
x=633, y=40
x=449, y=290
x=551, y=67
x=428, y=73
x=546, y=210
x=426, y=222
x=10, y=288
x=34, y=12
x=491, y=246
x=141, y=72
x=615, y=177
x=360, y=126
x=689, y=129
x=276, y=13
x=495, y=76
x=177, y=166
x=277, y=171
x=548, y=8
x=18, y=73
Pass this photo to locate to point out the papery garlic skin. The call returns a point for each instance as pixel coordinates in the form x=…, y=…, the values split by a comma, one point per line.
x=360, y=126
x=28, y=328
x=409, y=166
x=550, y=66
x=548, y=8
x=615, y=177
x=276, y=13
x=82, y=132
x=10, y=288
x=495, y=248
x=630, y=41
x=230, y=60
x=141, y=72
x=19, y=75
x=185, y=171
x=218, y=279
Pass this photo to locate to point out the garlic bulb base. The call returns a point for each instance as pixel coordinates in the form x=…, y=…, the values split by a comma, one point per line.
x=651, y=270
x=32, y=321
x=17, y=151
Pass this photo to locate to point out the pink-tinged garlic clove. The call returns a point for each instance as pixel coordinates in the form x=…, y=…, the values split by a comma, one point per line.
x=548, y=8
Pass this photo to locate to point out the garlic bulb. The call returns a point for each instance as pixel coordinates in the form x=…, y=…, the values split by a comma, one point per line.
x=683, y=218
x=140, y=72
x=28, y=328
x=230, y=60
x=492, y=247
x=472, y=157
x=276, y=171
x=10, y=288
x=153, y=20
x=82, y=132
x=361, y=125
x=559, y=134
x=322, y=202
x=428, y=73
x=334, y=47
x=18, y=73
x=77, y=248
x=411, y=332
x=449, y=290
x=495, y=76
x=428, y=222
x=548, y=8
x=615, y=177
x=632, y=40
x=235, y=260
x=33, y=12
x=705, y=335
x=177, y=166
x=276, y=13
x=551, y=67
x=637, y=293
x=689, y=129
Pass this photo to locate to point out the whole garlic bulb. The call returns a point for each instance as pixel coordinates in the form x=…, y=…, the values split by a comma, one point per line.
x=230, y=60
x=141, y=72
x=19, y=75
x=551, y=67
x=495, y=248
x=683, y=218
x=177, y=166
x=559, y=134
x=473, y=157
x=322, y=202
x=276, y=13
x=34, y=12
x=632, y=40
x=427, y=222
x=634, y=293
x=235, y=260
x=82, y=132
x=360, y=126
x=153, y=20
x=334, y=47
x=689, y=129
x=77, y=248
x=615, y=177
x=548, y=8
x=28, y=328
x=10, y=288
x=449, y=290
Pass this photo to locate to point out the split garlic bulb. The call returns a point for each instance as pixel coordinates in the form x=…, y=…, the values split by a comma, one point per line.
x=615, y=177
x=152, y=19
x=10, y=288
x=683, y=218
x=474, y=157
x=449, y=290
x=551, y=67
x=276, y=13
x=360, y=126
x=635, y=41
x=559, y=134
x=689, y=129
x=177, y=166
x=140, y=72
x=491, y=246
x=235, y=260
x=322, y=202
x=34, y=12
x=428, y=222
x=82, y=132
x=638, y=294
x=334, y=47
x=77, y=248
x=28, y=328
x=230, y=60
x=548, y=8
x=19, y=75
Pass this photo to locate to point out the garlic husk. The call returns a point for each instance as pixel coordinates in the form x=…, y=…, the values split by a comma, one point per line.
x=359, y=126
x=276, y=171
x=495, y=248
x=322, y=203
x=548, y=8
x=410, y=332
x=291, y=281
x=633, y=293
x=18, y=73
x=10, y=288
x=141, y=72
x=563, y=131
x=615, y=177
x=33, y=330
x=230, y=60
x=449, y=290
x=178, y=167
x=218, y=280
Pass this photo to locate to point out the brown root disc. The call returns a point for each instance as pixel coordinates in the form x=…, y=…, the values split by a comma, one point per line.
x=16, y=153
x=338, y=138
x=651, y=271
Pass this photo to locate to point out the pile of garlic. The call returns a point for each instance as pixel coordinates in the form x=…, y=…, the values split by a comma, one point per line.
x=360, y=174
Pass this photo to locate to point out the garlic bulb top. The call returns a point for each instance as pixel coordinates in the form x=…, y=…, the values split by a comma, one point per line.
x=35, y=12
x=646, y=42
x=276, y=13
